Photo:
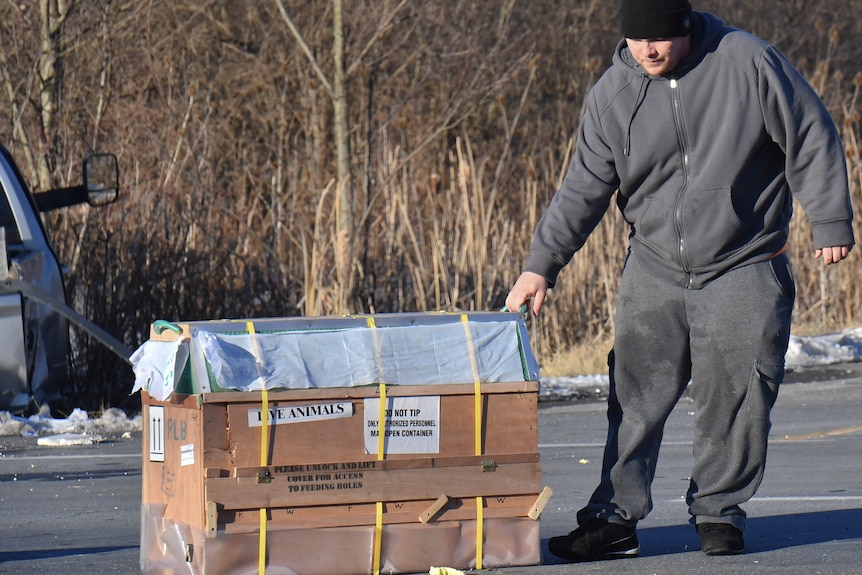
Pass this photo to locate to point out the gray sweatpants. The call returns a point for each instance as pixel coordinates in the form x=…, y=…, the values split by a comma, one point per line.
x=729, y=339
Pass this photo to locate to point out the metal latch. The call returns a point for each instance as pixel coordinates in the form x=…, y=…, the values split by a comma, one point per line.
x=264, y=476
x=489, y=465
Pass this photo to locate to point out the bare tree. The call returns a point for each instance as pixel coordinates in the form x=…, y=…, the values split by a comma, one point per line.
x=53, y=15
x=338, y=90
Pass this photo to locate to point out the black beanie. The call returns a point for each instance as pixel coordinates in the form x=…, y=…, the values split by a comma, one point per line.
x=643, y=19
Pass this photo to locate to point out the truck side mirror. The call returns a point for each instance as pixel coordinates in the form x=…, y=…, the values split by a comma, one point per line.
x=101, y=179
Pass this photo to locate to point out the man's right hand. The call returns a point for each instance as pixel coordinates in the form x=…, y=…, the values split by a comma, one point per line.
x=529, y=286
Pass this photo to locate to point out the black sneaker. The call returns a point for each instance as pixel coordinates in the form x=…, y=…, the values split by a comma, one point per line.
x=596, y=540
x=720, y=539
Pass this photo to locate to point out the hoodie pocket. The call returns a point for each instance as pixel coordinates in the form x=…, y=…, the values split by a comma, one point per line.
x=710, y=227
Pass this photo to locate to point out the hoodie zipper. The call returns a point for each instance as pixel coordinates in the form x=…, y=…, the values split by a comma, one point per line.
x=684, y=149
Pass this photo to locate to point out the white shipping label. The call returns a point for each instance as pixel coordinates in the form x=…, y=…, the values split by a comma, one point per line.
x=157, y=432
x=301, y=413
x=412, y=425
x=187, y=454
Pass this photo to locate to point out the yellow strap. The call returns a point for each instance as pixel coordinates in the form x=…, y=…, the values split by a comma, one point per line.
x=477, y=434
x=480, y=522
x=261, y=550
x=264, y=452
x=381, y=446
x=381, y=423
x=477, y=387
x=264, y=461
x=378, y=537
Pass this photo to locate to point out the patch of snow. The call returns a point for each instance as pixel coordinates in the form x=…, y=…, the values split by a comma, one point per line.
x=112, y=420
x=64, y=439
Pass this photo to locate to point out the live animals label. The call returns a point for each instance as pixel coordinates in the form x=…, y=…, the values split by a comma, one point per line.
x=412, y=425
x=301, y=413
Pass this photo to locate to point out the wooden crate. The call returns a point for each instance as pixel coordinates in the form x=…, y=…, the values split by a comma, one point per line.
x=204, y=485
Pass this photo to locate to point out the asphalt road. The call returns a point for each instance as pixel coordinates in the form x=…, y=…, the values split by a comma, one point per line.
x=74, y=510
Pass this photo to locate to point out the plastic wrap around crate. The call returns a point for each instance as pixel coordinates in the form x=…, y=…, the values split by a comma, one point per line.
x=302, y=353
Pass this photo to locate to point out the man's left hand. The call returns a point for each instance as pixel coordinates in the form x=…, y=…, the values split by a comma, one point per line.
x=832, y=255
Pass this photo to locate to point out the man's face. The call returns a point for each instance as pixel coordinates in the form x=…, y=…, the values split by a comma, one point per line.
x=659, y=56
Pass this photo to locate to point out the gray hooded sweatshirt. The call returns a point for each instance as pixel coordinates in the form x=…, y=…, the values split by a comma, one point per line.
x=702, y=160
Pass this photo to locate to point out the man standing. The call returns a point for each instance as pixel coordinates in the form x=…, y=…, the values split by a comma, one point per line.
x=702, y=132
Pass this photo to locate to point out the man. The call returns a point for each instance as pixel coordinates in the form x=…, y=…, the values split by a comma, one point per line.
x=702, y=132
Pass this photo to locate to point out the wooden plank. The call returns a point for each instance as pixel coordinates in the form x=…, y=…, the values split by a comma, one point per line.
x=216, y=445
x=175, y=400
x=359, y=514
x=300, y=324
x=212, y=518
x=478, y=461
x=539, y=505
x=434, y=508
x=369, y=483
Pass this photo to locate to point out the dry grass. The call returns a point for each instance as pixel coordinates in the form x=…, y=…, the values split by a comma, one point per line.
x=462, y=123
x=587, y=357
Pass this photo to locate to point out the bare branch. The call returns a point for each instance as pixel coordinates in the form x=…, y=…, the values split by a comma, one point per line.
x=298, y=37
x=382, y=29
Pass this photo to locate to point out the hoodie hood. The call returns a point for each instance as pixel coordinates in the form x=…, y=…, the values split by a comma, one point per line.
x=706, y=29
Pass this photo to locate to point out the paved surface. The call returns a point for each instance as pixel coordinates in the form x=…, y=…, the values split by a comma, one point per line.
x=70, y=510
x=77, y=509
